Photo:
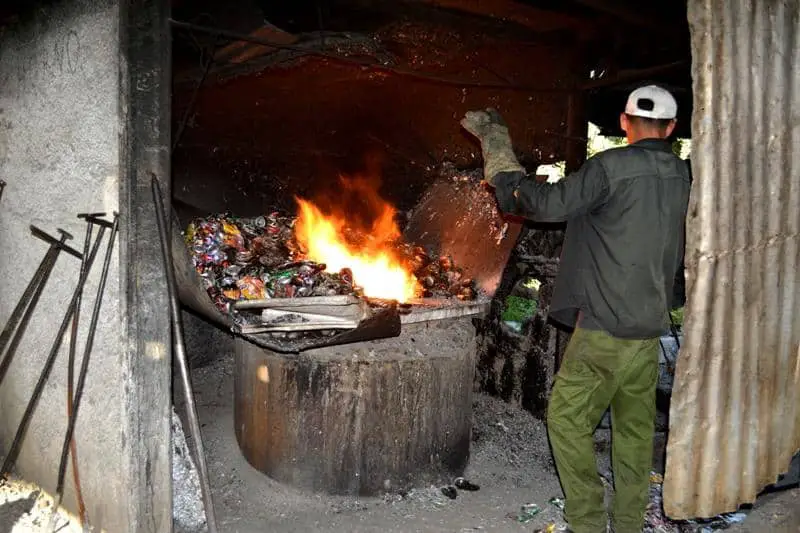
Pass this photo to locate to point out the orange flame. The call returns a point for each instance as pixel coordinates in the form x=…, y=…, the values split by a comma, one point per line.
x=375, y=266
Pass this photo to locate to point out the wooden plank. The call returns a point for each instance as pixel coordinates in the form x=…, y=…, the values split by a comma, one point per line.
x=275, y=316
x=290, y=303
x=441, y=313
x=268, y=315
x=298, y=326
x=331, y=307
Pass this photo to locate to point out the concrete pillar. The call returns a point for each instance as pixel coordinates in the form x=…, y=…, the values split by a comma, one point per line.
x=84, y=90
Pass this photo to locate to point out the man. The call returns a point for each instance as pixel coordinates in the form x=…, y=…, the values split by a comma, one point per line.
x=625, y=211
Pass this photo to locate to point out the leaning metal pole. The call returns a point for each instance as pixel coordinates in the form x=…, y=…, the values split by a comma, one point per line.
x=13, y=452
x=87, y=352
x=180, y=353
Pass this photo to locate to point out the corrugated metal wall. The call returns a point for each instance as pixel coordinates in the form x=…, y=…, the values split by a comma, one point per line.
x=735, y=420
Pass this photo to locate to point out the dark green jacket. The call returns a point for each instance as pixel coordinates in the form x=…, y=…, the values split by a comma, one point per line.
x=625, y=210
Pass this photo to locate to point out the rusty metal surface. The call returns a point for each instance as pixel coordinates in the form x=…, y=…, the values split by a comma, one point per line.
x=458, y=217
x=735, y=416
x=360, y=419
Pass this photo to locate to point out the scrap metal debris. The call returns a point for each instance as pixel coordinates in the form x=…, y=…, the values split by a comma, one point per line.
x=470, y=182
x=464, y=484
x=656, y=522
x=526, y=513
x=260, y=258
x=450, y=491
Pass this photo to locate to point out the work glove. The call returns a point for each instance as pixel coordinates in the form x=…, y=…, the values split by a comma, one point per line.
x=491, y=130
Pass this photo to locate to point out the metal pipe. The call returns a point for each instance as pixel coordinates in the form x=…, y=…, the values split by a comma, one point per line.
x=87, y=351
x=180, y=354
x=13, y=452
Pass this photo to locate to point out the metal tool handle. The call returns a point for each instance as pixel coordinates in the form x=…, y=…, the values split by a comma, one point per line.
x=13, y=451
x=180, y=354
x=39, y=234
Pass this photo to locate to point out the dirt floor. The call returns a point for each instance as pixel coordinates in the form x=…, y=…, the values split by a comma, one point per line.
x=510, y=461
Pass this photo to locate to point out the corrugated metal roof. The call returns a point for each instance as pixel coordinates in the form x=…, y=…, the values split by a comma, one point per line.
x=735, y=418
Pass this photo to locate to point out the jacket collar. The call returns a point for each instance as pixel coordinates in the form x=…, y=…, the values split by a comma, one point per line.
x=661, y=145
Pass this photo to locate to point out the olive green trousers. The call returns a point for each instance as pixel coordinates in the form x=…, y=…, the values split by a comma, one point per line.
x=599, y=371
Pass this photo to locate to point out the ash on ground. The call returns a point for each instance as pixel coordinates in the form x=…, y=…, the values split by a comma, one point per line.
x=510, y=461
x=509, y=437
x=188, y=514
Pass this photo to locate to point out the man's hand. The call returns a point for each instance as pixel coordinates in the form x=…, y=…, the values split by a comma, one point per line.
x=491, y=130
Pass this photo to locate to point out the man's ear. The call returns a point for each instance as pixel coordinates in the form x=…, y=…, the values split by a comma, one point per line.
x=671, y=127
x=623, y=122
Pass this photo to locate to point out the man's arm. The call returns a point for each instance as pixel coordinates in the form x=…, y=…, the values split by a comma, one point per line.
x=576, y=194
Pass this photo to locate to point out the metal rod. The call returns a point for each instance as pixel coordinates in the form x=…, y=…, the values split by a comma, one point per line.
x=11, y=350
x=18, y=323
x=87, y=351
x=22, y=304
x=13, y=452
x=180, y=353
x=73, y=347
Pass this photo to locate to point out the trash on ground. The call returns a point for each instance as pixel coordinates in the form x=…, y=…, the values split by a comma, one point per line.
x=465, y=484
x=551, y=528
x=450, y=491
x=557, y=502
x=527, y=513
x=656, y=522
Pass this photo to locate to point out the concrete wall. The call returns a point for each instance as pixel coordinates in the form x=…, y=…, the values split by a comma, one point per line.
x=62, y=102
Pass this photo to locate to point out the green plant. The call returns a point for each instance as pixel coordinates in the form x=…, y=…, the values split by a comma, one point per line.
x=519, y=309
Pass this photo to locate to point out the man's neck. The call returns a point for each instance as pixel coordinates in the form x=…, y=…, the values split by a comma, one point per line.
x=637, y=139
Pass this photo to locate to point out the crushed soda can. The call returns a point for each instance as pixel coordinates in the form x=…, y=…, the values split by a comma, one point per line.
x=260, y=257
x=526, y=513
x=557, y=502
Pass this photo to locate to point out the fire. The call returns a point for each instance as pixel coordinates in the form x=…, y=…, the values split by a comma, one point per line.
x=375, y=266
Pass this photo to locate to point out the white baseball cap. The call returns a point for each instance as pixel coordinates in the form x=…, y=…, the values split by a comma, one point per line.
x=652, y=101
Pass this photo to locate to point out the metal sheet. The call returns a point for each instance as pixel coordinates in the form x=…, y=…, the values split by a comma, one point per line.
x=735, y=416
x=459, y=218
